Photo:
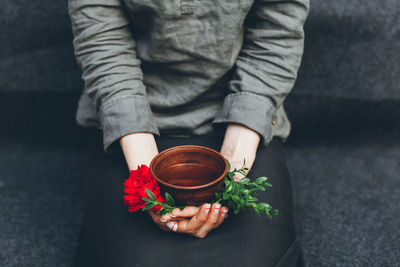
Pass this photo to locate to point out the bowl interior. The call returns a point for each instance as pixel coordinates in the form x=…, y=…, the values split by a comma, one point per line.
x=188, y=166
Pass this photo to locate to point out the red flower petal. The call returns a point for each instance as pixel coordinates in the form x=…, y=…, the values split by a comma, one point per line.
x=135, y=188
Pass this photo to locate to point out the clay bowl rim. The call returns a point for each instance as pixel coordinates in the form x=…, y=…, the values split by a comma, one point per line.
x=189, y=188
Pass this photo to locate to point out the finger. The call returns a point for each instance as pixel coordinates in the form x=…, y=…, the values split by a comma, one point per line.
x=154, y=216
x=187, y=212
x=179, y=226
x=156, y=219
x=178, y=214
x=211, y=221
x=167, y=217
x=192, y=225
x=222, y=216
x=172, y=225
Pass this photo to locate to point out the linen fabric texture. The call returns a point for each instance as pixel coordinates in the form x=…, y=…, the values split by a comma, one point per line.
x=111, y=236
x=186, y=67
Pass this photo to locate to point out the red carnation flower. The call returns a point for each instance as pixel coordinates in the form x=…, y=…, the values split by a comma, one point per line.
x=135, y=187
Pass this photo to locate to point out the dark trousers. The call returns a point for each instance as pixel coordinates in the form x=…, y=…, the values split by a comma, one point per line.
x=113, y=237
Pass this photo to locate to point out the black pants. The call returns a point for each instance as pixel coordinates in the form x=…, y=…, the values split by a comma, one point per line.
x=113, y=237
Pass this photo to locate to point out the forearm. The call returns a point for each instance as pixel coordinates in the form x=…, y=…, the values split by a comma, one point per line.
x=266, y=67
x=138, y=148
x=240, y=143
x=106, y=52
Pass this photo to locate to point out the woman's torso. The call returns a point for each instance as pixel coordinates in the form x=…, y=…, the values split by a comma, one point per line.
x=186, y=49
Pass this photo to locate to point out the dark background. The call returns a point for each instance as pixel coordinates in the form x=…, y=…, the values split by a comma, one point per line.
x=343, y=154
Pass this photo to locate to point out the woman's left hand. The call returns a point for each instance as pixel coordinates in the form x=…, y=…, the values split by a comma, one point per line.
x=240, y=143
x=195, y=221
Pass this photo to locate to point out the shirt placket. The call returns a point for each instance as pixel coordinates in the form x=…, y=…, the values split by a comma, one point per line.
x=187, y=7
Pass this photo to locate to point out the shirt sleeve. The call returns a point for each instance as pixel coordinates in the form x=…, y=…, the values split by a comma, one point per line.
x=266, y=67
x=105, y=50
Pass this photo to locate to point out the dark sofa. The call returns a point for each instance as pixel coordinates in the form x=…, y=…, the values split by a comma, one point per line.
x=343, y=154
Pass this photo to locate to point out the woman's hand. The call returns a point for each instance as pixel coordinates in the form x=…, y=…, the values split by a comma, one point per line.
x=138, y=148
x=195, y=221
x=240, y=143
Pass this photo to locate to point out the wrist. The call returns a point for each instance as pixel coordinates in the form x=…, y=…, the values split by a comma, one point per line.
x=138, y=149
x=239, y=139
x=240, y=144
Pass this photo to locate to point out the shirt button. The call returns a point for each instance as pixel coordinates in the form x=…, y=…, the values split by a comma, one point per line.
x=187, y=10
x=273, y=122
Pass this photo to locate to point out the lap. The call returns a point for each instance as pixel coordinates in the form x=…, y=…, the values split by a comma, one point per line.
x=111, y=236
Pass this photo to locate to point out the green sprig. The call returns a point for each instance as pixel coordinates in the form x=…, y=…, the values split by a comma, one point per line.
x=241, y=194
x=166, y=208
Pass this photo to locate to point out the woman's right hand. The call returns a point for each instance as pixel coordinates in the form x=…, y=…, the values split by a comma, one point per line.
x=195, y=221
x=138, y=149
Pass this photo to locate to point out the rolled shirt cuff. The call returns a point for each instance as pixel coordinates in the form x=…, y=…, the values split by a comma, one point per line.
x=123, y=115
x=248, y=109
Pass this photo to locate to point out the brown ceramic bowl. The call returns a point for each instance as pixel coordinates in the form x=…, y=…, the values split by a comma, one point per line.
x=191, y=174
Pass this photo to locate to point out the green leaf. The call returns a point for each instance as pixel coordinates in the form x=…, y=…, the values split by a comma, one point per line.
x=163, y=212
x=260, y=180
x=150, y=195
x=267, y=184
x=236, y=210
x=235, y=198
x=145, y=199
x=166, y=210
x=182, y=207
x=229, y=188
x=243, y=171
x=264, y=206
x=226, y=182
x=259, y=187
x=169, y=199
x=252, y=198
x=226, y=196
x=148, y=206
x=258, y=211
x=244, y=181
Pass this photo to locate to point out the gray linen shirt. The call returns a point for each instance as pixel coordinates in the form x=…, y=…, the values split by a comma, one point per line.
x=186, y=67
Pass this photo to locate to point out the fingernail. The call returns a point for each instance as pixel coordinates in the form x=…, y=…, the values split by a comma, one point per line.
x=172, y=215
x=172, y=226
x=225, y=213
x=217, y=208
x=162, y=220
x=208, y=206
